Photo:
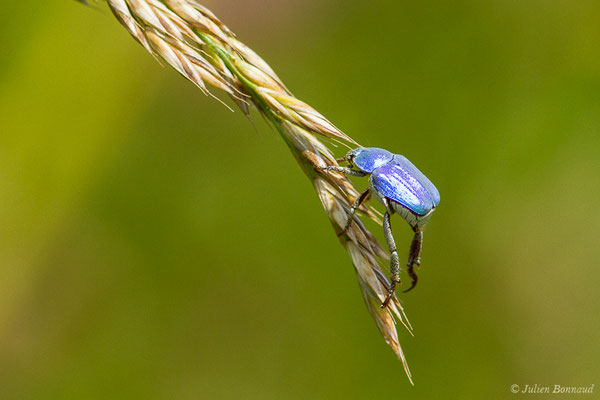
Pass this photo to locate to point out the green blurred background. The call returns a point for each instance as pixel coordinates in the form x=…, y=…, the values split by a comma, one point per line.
x=154, y=245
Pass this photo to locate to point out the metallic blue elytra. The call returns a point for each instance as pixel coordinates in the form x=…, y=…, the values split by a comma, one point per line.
x=400, y=181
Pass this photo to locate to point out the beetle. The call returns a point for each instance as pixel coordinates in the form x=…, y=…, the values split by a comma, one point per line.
x=402, y=189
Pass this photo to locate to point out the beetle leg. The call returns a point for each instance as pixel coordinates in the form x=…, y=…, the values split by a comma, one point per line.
x=359, y=200
x=394, y=261
x=414, y=258
x=344, y=170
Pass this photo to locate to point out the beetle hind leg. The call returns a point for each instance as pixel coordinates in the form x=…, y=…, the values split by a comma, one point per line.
x=414, y=258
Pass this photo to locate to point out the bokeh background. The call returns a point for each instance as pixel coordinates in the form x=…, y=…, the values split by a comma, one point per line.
x=154, y=244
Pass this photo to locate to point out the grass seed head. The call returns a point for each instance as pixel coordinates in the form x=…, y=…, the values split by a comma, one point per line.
x=202, y=49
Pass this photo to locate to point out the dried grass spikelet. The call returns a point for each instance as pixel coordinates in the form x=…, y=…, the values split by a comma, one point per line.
x=192, y=40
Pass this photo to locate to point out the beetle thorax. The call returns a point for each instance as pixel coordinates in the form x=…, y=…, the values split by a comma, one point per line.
x=368, y=159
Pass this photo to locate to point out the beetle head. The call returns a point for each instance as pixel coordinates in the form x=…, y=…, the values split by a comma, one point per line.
x=350, y=156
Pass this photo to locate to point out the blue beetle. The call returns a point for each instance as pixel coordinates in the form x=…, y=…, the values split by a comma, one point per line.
x=403, y=189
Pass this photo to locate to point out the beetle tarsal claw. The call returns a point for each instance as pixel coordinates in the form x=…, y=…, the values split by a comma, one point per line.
x=410, y=288
x=413, y=275
x=387, y=299
x=346, y=227
x=391, y=292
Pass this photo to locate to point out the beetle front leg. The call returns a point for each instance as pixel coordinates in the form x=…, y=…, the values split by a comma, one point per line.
x=359, y=200
x=344, y=170
x=414, y=258
x=394, y=261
